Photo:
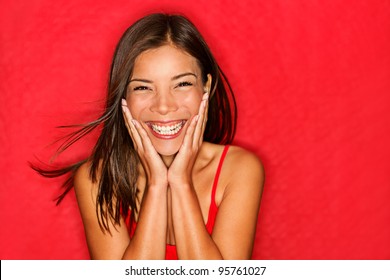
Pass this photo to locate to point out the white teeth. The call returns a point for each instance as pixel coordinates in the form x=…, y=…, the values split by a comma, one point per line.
x=168, y=130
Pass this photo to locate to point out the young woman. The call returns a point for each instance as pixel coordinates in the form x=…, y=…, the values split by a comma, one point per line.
x=162, y=181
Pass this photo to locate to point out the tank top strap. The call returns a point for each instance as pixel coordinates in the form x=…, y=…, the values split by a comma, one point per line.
x=213, y=206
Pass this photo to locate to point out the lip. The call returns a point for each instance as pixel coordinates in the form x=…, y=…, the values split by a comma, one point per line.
x=166, y=130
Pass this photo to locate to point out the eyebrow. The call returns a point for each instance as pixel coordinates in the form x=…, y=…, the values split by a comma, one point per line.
x=173, y=78
x=140, y=80
x=183, y=75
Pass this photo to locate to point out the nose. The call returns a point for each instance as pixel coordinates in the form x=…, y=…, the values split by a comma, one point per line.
x=164, y=103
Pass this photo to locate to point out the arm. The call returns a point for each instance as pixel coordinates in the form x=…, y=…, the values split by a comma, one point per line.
x=235, y=225
x=149, y=238
x=236, y=221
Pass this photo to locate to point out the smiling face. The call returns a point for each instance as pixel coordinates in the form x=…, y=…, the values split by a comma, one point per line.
x=164, y=94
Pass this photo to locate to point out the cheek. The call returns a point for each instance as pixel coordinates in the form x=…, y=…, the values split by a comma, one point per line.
x=192, y=102
x=135, y=106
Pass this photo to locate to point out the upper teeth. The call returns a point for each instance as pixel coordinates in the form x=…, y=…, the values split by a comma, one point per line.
x=167, y=130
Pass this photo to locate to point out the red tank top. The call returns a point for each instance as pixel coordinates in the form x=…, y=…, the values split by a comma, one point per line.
x=170, y=252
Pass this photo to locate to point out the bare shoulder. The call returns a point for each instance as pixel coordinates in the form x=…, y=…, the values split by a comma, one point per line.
x=240, y=166
x=242, y=175
x=238, y=153
x=243, y=165
x=82, y=173
x=85, y=188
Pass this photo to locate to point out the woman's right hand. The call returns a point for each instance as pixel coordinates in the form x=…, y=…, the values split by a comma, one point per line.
x=154, y=167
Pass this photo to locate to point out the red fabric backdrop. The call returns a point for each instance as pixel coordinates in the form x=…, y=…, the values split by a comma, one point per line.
x=312, y=80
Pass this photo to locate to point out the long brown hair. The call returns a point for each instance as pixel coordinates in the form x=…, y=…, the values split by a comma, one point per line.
x=114, y=161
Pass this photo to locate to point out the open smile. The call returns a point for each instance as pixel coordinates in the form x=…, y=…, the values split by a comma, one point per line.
x=166, y=130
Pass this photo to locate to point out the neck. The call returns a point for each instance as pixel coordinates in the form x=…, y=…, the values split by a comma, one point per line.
x=168, y=160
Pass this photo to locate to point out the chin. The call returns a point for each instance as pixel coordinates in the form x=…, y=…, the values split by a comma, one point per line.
x=168, y=148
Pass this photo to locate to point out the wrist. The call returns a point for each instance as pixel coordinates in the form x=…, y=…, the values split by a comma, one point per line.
x=179, y=180
x=157, y=182
x=156, y=191
x=157, y=186
x=180, y=185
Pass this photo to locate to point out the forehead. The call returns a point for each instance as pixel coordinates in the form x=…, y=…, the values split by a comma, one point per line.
x=165, y=60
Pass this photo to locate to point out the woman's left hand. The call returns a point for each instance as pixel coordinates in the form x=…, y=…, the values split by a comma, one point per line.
x=180, y=171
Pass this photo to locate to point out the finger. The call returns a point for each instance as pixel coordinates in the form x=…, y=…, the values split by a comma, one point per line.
x=137, y=131
x=198, y=134
x=205, y=117
x=145, y=139
x=131, y=127
x=127, y=118
x=146, y=142
x=188, y=137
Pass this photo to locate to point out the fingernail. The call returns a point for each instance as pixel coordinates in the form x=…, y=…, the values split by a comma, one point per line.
x=124, y=103
x=206, y=96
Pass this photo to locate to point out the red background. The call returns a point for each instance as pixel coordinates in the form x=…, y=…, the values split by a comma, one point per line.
x=312, y=81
